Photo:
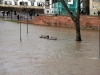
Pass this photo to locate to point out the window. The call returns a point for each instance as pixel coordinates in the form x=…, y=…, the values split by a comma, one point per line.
x=32, y=3
x=26, y=3
x=47, y=11
x=5, y=2
x=15, y=3
x=94, y=6
x=52, y=11
x=10, y=2
x=96, y=0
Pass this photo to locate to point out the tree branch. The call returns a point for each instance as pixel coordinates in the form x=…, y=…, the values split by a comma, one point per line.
x=70, y=13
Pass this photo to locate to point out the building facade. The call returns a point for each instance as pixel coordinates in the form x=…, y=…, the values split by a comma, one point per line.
x=72, y=5
x=85, y=6
x=60, y=10
x=49, y=7
x=56, y=7
x=28, y=2
x=46, y=4
x=1, y=1
x=94, y=7
x=90, y=7
x=16, y=2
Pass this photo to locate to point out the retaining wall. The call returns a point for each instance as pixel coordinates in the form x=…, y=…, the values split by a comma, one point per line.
x=91, y=22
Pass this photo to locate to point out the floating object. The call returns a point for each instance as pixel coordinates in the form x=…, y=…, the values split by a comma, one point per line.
x=53, y=38
x=44, y=36
x=47, y=37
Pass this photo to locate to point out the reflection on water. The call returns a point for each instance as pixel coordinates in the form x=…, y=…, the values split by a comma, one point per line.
x=38, y=56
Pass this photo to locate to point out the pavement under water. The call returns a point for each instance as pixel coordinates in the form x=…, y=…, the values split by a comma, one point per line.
x=38, y=56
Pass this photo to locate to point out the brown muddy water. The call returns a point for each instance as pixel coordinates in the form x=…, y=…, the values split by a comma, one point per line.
x=38, y=56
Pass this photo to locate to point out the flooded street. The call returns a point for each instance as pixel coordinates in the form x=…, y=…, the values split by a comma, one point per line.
x=38, y=56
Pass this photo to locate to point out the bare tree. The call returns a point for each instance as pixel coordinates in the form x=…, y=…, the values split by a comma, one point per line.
x=76, y=19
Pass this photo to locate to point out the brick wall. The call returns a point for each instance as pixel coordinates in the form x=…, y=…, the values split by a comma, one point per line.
x=65, y=21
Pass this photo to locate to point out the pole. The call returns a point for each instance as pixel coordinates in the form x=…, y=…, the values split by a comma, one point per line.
x=20, y=28
x=99, y=33
x=99, y=41
x=27, y=19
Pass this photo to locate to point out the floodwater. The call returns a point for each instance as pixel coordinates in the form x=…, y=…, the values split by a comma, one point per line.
x=38, y=56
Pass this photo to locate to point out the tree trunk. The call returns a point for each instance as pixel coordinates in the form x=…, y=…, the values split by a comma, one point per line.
x=78, y=34
x=77, y=23
x=76, y=19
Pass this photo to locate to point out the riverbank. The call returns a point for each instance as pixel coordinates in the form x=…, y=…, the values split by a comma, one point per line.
x=87, y=22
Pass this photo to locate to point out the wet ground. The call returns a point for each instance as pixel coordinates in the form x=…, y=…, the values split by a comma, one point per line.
x=38, y=56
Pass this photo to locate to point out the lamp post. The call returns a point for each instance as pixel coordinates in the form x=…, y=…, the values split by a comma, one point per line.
x=20, y=29
x=20, y=22
x=27, y=14
x=99, y=41
x=27, y=19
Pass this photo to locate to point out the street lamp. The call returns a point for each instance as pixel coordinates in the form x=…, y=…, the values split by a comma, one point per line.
x=20, y=28
x=27, y=18
x=27, y=14
x=99, y=41
x=20, y=21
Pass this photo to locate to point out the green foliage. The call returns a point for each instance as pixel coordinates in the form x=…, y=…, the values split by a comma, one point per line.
x=12, y=20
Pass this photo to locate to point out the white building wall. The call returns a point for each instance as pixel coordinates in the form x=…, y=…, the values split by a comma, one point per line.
x=36, y=2
x=39, y=1
x=29, y=3
x=49, y=10
x=9, y=2
x=12, y=2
